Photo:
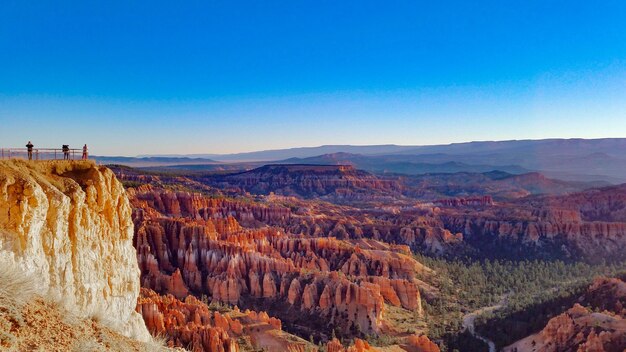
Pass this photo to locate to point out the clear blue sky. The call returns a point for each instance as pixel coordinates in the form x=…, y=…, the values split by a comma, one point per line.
x=133, y=77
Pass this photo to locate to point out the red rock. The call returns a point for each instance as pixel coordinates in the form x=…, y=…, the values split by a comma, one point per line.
x=177, y=286
x=358, y=346
x=309, y=297
x=188, y=324
x=422, y=343
x=269, y=286
x=219, y=258
x=295, y=292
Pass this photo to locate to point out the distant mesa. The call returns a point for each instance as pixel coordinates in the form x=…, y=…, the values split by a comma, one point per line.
x=306, y=168
x=307, y=180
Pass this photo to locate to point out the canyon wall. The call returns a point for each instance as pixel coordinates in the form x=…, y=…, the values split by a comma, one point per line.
x=69, y=224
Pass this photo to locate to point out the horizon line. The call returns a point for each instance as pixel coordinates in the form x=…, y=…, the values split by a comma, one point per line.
x=373, y=145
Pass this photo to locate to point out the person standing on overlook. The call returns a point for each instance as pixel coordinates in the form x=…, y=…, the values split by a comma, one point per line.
x=66, y=152
x=85, y=153
x=30, y=146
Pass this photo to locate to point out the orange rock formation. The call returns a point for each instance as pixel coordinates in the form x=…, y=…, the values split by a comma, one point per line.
x=182, y=249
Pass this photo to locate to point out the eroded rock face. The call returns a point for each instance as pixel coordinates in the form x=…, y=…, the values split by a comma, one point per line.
x=343, y=282
x=69, y=224
x=193, y=325
x=195, y=206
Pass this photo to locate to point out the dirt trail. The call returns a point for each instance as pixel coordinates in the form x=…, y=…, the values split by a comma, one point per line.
x=468, y=322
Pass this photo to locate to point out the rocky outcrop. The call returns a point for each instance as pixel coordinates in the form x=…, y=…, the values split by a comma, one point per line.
x=421, y=343
x=350, y=305
x=414, y=343
x=189, y=324
x=69, y=224
x=194, y=325
x=399, y=292
x=359, y=346
x=582, y=329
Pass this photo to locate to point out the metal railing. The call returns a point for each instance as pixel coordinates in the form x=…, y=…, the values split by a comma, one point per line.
x=41, y=154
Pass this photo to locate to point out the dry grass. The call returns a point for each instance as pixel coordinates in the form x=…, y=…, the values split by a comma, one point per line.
x=101, y=318
x=88, y=346
x=16, y=289
x=15, y=285
x=158, y=344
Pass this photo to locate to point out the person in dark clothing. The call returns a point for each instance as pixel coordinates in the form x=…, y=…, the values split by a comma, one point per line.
x=66, y=152
x=85, y=153
x=30, y=146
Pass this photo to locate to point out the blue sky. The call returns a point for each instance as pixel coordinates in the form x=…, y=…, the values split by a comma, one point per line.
x=230, y=76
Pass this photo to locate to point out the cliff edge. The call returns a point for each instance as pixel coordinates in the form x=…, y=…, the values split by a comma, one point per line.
x=69, y=225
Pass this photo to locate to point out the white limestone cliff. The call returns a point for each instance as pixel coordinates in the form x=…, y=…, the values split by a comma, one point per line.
x=69, y=224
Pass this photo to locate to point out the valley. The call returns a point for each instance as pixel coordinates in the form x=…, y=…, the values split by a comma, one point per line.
x=335, y=252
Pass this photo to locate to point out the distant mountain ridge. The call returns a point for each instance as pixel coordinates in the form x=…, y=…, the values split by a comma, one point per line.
x=300, y=152
x=576, y=144
x=583, y=160
x=401, y=164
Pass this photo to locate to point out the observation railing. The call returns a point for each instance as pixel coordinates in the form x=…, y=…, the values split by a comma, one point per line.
x=41, y=154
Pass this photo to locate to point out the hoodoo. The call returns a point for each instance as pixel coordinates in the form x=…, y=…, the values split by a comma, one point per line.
x=69, y=224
